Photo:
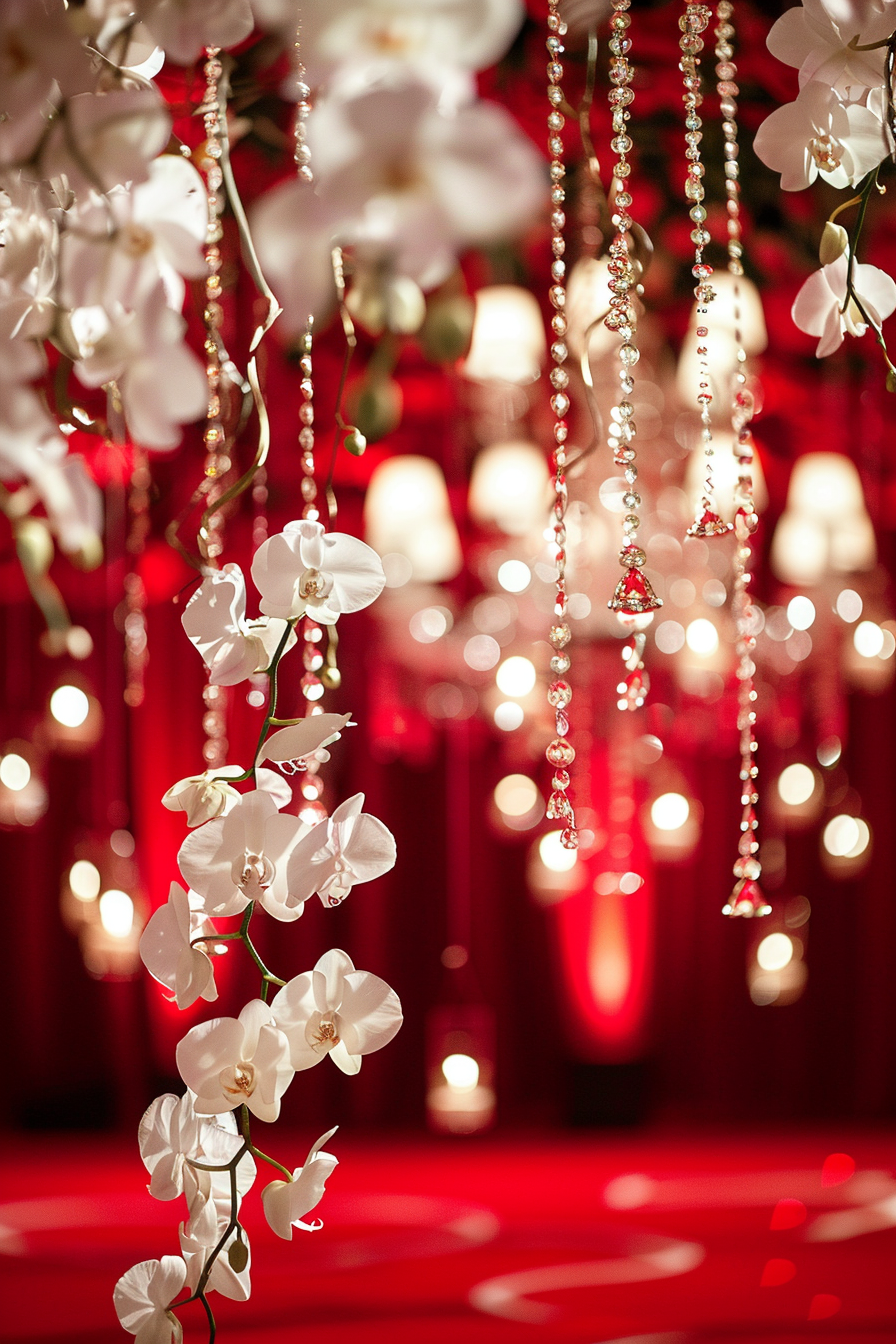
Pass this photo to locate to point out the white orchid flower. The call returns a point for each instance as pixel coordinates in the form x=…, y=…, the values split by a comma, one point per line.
x=820, y=308
x=119, y=246
x=819, y=134
x=143, y=350
x=214, y=619
x=820, y=40
x=287, y=1202
x=204, y=797
x=349, y=847
x=143, y=1295
x=305, y=571
x=169, y=952
x=184, y=28
x=406, y=186
x=472, y=34
x=243, y=857
x=337, y=1011
x=171, y=1133
x=306, y=739
x=105, y=140
x=229, y=1062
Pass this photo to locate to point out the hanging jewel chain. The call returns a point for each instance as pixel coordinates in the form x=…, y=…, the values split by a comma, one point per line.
x=560, y=753
x=633, y=600
x=692, y=23
x=217, y=460
x=747, y=898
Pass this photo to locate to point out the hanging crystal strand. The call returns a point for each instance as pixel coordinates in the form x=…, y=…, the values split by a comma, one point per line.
x=133, y=615
x=560, y=753
x=301, y=152
x=217, y=461
x=633, y=600
x=747, y=898
x=692, y=23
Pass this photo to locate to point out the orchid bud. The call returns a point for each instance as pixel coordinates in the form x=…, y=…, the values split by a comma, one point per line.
x=355, y=442
x=238, y=1255
x=834, y=242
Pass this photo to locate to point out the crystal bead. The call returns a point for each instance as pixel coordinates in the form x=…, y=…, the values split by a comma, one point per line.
x=560, y=779
x=558, y=807
x=560, y=635
x=560, y=403
x=559, y=694
x=557, y=296
x=629, y=355
x=561, y=752
x=556, y=122
x=632, y=555
x=306, y=413
x=560, y=664
x=562, y=723
x=569, y=838
x=559, y=352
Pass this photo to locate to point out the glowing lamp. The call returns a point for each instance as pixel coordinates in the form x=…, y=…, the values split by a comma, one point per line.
x=799, y=552
x=407, y=512
x=508, y=344
x=737, y=309
x=460, y=1051
x=587, y=304
x=825, y=486
x=509, y=487
x=725, y=471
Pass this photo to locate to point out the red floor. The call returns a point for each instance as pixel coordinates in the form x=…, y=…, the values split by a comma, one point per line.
x=581, y=1240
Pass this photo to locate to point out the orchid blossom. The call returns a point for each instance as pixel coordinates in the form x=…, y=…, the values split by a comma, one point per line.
x=821, y=134
x=823, y=308
x=243, y=857
x=306, y=571
x=337, y=1011
x=349, y=847
x=214, y=619
x=823, y=39
x=171, y=1134
x=170, y=952
x=230, y=1062
x=287, y=1202
x=144, y=1294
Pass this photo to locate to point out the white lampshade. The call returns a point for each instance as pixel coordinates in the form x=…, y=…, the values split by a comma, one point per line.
x=510, y=487
x=725, y=472
x=853, y=545
x=508, y=344
x=825, y=486
x=587, y=303
x=722, y=362
x=799, y=552
x=407, y=512
x=736, y=307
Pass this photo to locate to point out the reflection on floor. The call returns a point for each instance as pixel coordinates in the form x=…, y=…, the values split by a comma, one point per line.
x=651, y=1240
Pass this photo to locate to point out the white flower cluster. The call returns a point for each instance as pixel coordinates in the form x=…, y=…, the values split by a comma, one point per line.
x=410, y=167
x=838, y=128
x=246, y=852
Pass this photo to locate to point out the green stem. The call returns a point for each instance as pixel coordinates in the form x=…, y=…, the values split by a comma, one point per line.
x=267, y=976
x=256, y=1152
